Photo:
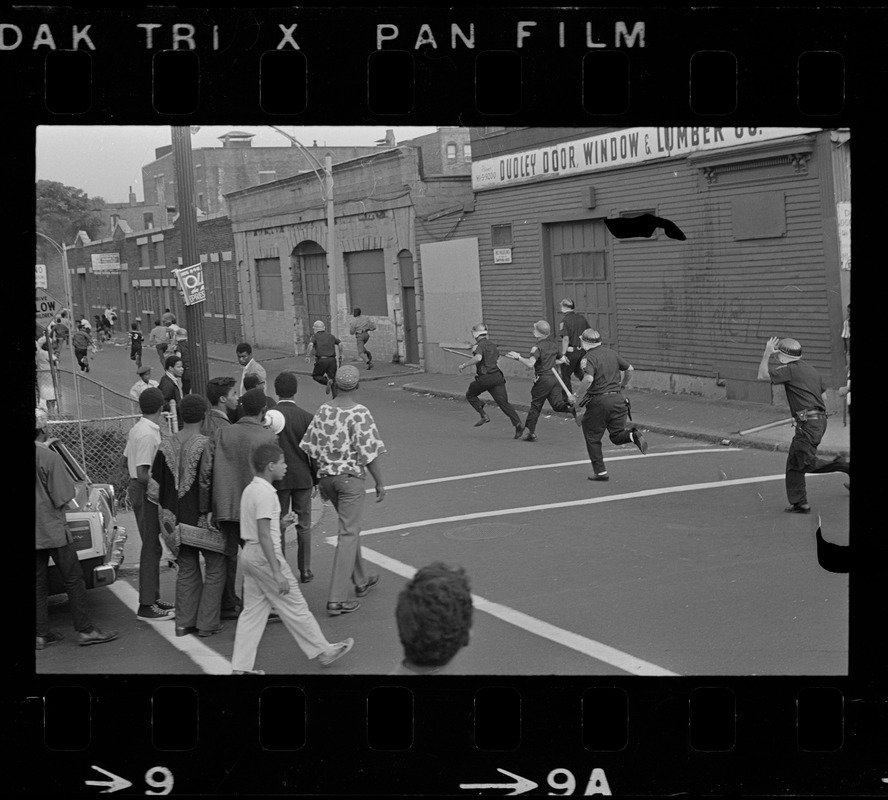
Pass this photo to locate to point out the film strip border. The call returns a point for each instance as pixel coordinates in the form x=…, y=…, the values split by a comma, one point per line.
x=536, y=64
x=801, y=737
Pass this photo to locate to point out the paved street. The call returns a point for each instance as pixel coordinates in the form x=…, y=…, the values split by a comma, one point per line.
x=684, y=563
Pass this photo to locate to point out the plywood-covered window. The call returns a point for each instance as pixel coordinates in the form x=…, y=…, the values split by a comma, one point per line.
x=501, y=235
x=366, y=281
x=268, y=283
x=761, y=215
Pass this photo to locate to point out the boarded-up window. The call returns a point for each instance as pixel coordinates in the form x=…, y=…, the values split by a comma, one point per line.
x=159, y=256
x=501, y=235
x=268, y=283
x=145, y=256
x=759, y=216
x=366, y=281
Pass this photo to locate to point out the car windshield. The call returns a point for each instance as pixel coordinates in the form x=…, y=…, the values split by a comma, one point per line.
x=75, y=470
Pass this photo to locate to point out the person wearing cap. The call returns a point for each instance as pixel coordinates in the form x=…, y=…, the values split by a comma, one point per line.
x=360, y=328
x=544, y=355
x=295, y=489
x=805, y=389
x=344, y=441
x=225, y=473
x=488, y=378
x=144, y=373
x=245, y=359
x=605, y=374
x=81, y=341
x=55, y=490
x=570, y=330
x=327, y=350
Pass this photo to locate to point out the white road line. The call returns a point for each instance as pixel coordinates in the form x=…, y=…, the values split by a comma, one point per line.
x=205, y=657
x=688, y=487
x=554, y=466
x=589, y=647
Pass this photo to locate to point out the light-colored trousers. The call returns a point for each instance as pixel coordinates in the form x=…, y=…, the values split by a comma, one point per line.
x=260, y=595
x=346, y=493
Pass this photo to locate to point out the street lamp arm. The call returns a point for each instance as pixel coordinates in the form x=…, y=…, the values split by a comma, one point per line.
x=52, y=241
x=306, y=153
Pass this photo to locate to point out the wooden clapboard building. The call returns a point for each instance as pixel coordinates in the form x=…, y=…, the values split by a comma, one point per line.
x=765, y=212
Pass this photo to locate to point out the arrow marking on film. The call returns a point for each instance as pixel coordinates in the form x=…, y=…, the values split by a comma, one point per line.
x=114, y=785
x=520, y=786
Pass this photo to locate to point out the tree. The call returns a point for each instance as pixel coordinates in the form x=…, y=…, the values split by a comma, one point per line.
x=62, y=210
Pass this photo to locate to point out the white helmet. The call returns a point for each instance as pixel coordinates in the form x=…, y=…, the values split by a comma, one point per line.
x=319, y=325
x=479, y=330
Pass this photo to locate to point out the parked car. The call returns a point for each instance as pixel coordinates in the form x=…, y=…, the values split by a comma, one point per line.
x=92, y=521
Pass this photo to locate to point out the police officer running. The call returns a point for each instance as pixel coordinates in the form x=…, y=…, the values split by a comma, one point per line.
x=488, y=378
x=605, y=373
x=804, y=392
x=328, y=354
x=572, y=327
x=544, y=355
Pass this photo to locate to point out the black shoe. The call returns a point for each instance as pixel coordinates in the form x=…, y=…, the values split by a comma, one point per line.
x=638, y=441
x=185, y=631
x=306, y=577
x=207, y=634
x=154, y=613
x=531, y=437
x=798, y=508
x=360, y=591
x=273, y=616
x=841, y=464
x=232, y=614
x=484, y=418
x=165, y=606
x=345, y=607
x=519, y=429
x=599, y=476
x=95, y=636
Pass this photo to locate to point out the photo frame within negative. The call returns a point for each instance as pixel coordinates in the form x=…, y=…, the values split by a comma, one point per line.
x=683, y=177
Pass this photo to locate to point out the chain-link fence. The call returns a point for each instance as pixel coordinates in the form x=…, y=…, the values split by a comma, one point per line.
x=98, y=438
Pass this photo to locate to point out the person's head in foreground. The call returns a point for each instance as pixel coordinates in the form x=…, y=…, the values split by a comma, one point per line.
x=434, y=615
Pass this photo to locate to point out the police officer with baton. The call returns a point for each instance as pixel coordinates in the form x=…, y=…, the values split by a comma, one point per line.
x=605, y=373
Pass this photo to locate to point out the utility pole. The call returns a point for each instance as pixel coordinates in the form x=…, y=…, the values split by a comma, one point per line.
x=184, y=168
x=331, y=246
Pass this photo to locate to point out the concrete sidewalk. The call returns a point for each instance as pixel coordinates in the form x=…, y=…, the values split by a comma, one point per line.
x=672, y=414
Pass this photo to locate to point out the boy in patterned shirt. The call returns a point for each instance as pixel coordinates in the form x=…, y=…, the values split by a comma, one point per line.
x=343, y=440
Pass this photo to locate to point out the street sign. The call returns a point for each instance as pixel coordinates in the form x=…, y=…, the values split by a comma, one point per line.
x=191, y=283
x=40, y=275
x=47, y=307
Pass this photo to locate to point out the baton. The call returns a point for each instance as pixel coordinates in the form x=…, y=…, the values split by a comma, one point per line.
x=455, y=352
x=765, y=427
x=579, y=410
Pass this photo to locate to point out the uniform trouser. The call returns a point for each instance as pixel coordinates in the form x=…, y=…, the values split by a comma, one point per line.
x=82, y=359
x=231, y=529
x=545, y=387
x=301, y=503
x=148, y=524
x=260, y=596
x=495, y=383
x=572, y=368
x=605, y=412
x=803, y=458
x=199, y=597
x=72, y=574
x=325, y=371
x=362, y=350
x=136, y=356
x=347, y=495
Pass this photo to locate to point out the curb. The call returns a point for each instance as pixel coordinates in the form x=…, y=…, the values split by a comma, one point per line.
x=307, y=373
x=729, y=440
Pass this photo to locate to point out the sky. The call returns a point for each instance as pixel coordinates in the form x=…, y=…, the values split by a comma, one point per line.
x=105, y=160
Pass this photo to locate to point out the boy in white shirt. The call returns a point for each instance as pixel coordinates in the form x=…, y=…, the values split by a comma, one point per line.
x=268, y=581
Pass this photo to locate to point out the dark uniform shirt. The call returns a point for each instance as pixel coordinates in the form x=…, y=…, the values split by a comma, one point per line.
x=489, y=355
x=572, y=326
x=802, y=383
x=546, y=352
x=324, y=344
x=605, y=364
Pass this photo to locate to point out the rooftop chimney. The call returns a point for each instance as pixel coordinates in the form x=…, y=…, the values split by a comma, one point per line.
x=132, y=196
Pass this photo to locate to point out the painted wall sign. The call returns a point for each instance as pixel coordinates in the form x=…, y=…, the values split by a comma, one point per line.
x=105, y=262
x=616, y=149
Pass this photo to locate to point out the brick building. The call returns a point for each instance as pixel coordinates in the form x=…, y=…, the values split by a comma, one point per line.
x=137, y=216
x=142, y=285
x=235, y=165
x=385, y=205
x=766, y=212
